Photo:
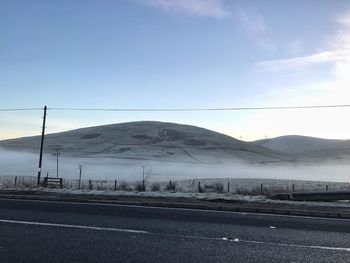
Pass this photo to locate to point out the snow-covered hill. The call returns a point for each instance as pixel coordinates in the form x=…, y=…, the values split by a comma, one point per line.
x=148, y=140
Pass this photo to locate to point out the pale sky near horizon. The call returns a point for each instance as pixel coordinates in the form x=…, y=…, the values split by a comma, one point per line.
x=177, y=54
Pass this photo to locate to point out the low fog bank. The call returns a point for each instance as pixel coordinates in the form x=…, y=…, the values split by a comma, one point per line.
x=25, y=164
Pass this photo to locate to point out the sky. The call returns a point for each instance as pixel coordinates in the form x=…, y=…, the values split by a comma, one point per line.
x=176, y=54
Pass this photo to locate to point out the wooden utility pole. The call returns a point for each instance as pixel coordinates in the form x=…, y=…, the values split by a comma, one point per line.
x=143, y=176
x=80, y=169
x=42, y=146
x=57, y=149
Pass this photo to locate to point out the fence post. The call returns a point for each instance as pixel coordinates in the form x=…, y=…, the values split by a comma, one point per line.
x=261, y=189
x=15, y=181
x=326, y=187
x=293, y=188
x=228, y=187
x=45, y=182
x=115, y=185
x=90, y=185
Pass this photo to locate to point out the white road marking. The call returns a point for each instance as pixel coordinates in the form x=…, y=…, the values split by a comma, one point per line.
x=296, y=245
x=74, y=226
x=236, y=240
x=232, y=239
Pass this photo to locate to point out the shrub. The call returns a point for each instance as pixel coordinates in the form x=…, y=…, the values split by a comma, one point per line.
x=200, y=189
x=256, y=190
x=209, y=186
x=7, y=183
x=218, y=187
x=124, y=186
x=155, y=187
x=140, y=186
x=101, y=186
x=171, y=186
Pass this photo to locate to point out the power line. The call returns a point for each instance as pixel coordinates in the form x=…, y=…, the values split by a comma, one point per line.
x=204, y=109
x=183, y=109
x=22, y=109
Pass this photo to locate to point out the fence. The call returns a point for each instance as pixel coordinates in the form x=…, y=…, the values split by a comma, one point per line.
x=235, y=186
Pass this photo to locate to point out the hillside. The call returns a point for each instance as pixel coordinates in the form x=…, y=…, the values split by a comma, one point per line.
x=308, y=148
x=149, y=140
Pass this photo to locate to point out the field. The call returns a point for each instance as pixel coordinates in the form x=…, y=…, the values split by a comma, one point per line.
x=240, y=186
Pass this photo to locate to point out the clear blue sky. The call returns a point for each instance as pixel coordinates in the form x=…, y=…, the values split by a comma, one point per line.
x=176, y=54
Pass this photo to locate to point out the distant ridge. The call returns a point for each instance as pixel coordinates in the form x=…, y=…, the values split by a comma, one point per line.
x=308, y=148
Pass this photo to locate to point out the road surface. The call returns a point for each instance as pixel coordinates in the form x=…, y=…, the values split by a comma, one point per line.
x=43, y=231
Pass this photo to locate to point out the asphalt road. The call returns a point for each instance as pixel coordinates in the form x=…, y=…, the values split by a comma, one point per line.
x=39, y=231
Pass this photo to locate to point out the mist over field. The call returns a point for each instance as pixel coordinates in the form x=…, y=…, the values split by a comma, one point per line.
x=172, y=151
x=22, y=163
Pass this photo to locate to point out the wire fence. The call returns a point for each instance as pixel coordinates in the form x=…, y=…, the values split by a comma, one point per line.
x=238, y=186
